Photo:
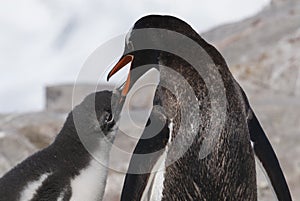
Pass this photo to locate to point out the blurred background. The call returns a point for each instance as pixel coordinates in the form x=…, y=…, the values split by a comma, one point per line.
x=44, y=44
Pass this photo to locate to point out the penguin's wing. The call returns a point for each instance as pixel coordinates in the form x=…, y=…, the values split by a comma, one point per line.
x=265, y=153
x=147, y=153
x=55, y=187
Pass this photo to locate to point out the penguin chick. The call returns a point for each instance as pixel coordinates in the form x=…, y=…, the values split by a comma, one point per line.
x=74, y=166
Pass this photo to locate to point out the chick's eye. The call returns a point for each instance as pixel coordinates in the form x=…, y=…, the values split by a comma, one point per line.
x=109, y=118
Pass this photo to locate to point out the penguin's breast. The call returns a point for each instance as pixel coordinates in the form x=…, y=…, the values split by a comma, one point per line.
x=90, y=184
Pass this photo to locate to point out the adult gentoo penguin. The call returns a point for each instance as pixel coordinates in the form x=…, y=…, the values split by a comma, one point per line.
x=66, y=170
x=227, y=170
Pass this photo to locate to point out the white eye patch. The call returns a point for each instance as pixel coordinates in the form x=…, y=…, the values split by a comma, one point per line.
x=128, y=35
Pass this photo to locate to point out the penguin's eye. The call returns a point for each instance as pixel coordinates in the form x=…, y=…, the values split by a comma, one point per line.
x=108, y=122
x=130, y=46
x=109, y=118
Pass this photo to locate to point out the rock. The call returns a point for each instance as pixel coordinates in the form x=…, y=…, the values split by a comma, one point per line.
x=261, y=53
x=62, y=98
x=13, y=149
x=23, y=134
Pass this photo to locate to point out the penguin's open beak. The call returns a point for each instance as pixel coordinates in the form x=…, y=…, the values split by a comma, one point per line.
x=121, y=63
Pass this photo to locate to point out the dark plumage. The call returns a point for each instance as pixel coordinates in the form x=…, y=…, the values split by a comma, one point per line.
x=89, y=124
x=222, y=112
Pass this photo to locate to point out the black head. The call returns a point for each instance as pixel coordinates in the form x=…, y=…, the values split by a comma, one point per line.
x=98, y=113
x=104, y=110
x=164, y=22
x=93, y=123
x=141, y=41
x=142, y=34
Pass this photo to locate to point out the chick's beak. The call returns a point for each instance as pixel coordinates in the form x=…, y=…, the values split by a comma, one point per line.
x=121, y=63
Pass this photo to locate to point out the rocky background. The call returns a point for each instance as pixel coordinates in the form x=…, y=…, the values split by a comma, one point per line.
x=263, y=54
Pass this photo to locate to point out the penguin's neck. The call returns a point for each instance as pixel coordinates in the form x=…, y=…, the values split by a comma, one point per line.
x=75, y=144
x=89, y=180
x=68, y=139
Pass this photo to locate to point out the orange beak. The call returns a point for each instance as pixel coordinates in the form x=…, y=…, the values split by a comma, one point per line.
x=123, y=62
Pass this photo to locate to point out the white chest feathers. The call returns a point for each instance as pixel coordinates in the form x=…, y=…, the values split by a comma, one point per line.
x=89, y=185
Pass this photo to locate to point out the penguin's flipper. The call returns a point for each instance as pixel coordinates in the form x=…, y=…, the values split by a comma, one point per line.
x=146, y=154
x=55, y=187
x=265, y=153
